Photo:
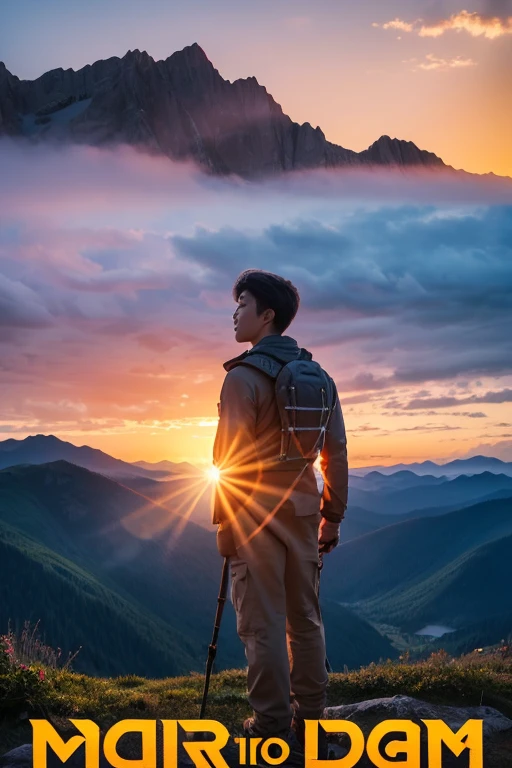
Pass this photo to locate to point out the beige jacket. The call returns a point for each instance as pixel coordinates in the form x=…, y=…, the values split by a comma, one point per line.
x=249, y=432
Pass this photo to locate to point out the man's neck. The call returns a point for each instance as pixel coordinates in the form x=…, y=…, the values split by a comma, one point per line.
x=263, y=336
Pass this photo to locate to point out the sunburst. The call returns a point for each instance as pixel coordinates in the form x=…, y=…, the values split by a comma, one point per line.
x=213, y=474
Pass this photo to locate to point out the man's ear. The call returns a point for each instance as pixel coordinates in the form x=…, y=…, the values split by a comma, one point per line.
x=270, y=315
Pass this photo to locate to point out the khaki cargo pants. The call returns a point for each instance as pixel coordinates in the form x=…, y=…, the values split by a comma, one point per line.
x=274, y=592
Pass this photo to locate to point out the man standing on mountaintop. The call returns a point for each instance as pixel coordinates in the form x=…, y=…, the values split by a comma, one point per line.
x=274, y=524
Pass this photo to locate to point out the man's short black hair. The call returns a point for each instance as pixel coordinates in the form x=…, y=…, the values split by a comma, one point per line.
x=271, y=292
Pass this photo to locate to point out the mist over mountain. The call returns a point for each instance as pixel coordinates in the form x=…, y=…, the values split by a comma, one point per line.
x=181, y=107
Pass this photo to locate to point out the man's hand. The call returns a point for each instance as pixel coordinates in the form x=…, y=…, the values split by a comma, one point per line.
x=225, y=541
x=328, y=536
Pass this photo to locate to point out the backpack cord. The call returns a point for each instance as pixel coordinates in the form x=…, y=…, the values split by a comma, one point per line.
x=290, y=489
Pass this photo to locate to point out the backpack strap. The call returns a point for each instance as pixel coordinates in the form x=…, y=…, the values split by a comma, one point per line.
x=260, y=357
x=263, y=361
x=267, y=362
x=304, y=354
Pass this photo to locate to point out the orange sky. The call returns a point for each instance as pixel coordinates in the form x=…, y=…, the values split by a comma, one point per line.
x=437, y=74
x=383, y=445
x=116, y=269
x=115, y=287
x=117, y=306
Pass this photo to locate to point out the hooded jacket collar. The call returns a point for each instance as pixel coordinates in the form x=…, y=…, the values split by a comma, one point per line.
x=285, y=348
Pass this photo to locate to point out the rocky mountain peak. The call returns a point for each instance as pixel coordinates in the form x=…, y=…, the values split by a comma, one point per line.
x=388, y=151
x=6, y=75
x=195, y=51
x=191, y=56
x=385, y=139
x=137, y=55
x=182, y=108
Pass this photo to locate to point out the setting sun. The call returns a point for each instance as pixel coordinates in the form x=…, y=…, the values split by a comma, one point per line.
x=213, y=473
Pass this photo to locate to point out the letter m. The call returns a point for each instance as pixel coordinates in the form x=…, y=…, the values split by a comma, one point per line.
x=469, y=736
x=44, y=734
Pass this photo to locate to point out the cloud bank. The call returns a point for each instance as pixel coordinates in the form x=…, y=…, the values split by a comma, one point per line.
x=116, y=272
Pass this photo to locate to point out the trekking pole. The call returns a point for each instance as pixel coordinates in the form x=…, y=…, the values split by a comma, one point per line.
x=212, y=648
x=320, y=566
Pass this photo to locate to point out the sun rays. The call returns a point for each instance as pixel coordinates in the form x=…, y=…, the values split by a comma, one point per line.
x=213, y=474
x=237, y=483
x=169, y=511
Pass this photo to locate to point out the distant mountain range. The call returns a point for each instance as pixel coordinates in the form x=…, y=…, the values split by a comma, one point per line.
x=397, y=481
x=182, y=467
x=184, y=109
x=104, y=568
x=39, y=449
x=375, y=498
x=473, y=466
x=116, y=559
x=456, y=492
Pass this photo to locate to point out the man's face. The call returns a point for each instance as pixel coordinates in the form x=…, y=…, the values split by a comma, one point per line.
x=249, y=326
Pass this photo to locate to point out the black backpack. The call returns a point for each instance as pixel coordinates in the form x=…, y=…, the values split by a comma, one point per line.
x=306, y=397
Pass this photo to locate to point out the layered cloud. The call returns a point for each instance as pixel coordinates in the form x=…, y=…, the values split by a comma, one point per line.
x=433, y=62
x=115, y=294
x=383, y=279
x=473, y=23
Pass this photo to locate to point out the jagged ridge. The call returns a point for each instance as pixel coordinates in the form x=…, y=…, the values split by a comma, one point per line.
x=181, y=107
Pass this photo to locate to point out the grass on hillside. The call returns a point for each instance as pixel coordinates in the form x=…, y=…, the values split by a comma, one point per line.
x=478, y=677
x=468, y=680
x=49, y=691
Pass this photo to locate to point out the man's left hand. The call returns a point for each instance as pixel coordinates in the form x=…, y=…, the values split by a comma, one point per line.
x=328, y=536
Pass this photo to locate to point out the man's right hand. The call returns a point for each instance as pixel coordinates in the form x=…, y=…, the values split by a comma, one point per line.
x=225, y=541
x=328, y=536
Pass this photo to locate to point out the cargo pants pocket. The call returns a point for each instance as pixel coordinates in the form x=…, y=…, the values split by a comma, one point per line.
x=239, y=577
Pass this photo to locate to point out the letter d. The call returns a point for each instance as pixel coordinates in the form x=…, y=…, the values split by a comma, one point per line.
x=333, y=726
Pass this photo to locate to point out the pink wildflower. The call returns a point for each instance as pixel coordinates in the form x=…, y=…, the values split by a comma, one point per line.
x=41, y=674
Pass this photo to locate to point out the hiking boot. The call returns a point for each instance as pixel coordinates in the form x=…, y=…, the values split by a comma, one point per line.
x=250, y=728
x=296, y=756
x=231, y=753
